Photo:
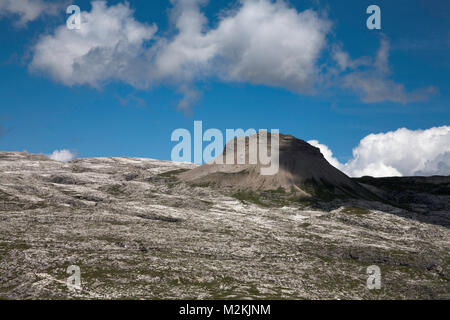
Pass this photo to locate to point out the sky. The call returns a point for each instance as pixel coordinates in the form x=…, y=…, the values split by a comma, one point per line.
x=376, y=102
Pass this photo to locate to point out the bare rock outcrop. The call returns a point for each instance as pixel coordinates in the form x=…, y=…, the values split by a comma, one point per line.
x=302, y=170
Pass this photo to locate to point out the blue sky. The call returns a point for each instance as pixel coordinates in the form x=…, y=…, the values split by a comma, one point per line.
x=41, y=112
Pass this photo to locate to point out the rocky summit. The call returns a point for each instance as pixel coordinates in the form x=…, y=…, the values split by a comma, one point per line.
x=302, y=170
x=136, y=229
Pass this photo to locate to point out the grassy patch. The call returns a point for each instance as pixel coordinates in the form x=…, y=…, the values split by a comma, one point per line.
x=249, y=196
x=202, y=185
x=170, y=178
x=355, y=210
x=172, y=173
x=272, y=198
x=280, y=190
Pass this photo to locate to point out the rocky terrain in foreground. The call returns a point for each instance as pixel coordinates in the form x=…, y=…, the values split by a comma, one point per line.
x=136, y=231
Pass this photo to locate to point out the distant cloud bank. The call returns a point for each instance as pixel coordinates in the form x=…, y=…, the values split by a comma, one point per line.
x=63, y=155
x=397, y=153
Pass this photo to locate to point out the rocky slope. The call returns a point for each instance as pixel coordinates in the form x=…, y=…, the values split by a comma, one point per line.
x=136, y=231
x=302, y=170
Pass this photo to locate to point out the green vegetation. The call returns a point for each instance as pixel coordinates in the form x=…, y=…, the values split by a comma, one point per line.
x=172, y=173
x=170, y=178
x=249, y=196
x=355, y=210
x=280, y=190
x=273, y=198
x=202, y=185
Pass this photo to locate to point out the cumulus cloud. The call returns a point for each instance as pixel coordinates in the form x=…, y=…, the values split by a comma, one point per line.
x=260, y=42
x=63, y=155
x=369, y=78
x=107, y=47
x=272, y=44
x=397, y=153
x=27, y=10
x=327, y=153
x=439, y=166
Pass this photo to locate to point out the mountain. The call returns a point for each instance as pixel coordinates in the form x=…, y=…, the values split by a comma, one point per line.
x=137, y=232
x=303, y=170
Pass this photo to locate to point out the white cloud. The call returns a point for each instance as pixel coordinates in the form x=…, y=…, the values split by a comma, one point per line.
x=63, y=155
x=327, y=153
x=374, y=169
x=439, y=166
x=272, y=44
x=27, y=10
x=260, y=42
x=106, y=47
x=369, y=78
x=398, y=153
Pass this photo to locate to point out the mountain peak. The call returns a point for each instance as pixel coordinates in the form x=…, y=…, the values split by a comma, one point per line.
x=302, y=170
